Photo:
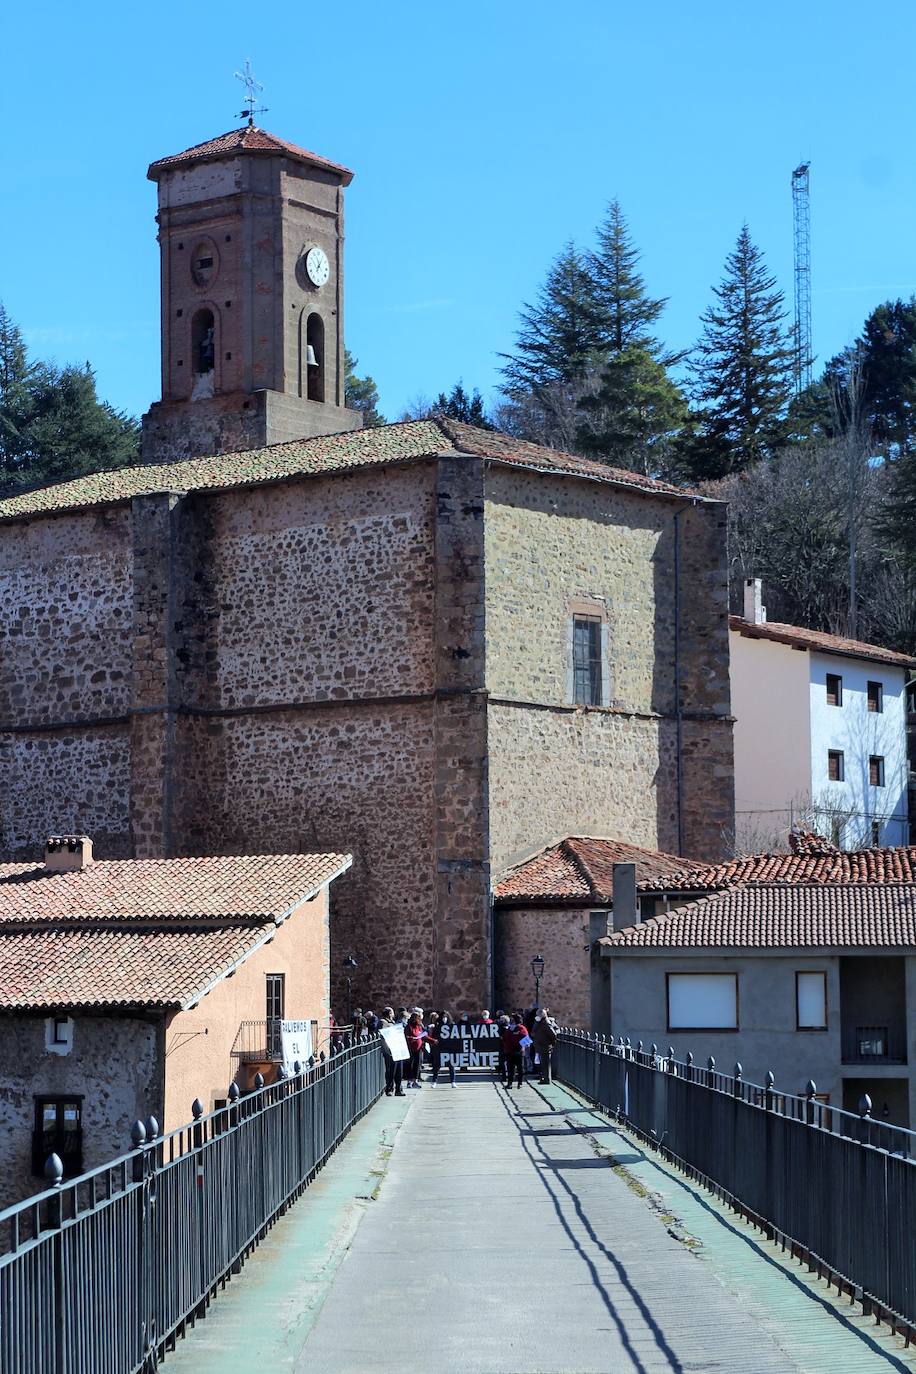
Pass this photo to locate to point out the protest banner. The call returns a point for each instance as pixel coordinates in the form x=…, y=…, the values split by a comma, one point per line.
x=469, y=1045
x=295, y=1044
x=394, y=1038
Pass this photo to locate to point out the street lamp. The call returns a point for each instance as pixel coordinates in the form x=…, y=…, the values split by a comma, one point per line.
x=350, y=964
x=537, y=968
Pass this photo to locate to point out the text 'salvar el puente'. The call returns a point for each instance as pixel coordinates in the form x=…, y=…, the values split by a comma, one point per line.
x=251, y=247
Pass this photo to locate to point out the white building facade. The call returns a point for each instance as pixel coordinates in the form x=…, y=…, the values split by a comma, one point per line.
x=820, y=734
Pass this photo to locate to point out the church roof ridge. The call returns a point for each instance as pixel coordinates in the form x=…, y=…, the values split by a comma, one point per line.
x=381, y=446
x=247, y=139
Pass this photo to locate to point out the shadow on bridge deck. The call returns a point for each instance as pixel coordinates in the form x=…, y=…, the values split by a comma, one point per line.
x=519, y=1232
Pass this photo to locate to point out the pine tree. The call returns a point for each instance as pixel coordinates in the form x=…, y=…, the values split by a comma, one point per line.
x=459, y=405
x=743, y=368
x=52, y=424
x=560, y=334
x=625, y=311
x=71, y=431
x=635, y=414
x=361, y=393
x=16, y=377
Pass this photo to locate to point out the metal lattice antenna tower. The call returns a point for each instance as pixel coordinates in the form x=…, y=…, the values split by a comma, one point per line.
x=252, y=93
x=801, y=216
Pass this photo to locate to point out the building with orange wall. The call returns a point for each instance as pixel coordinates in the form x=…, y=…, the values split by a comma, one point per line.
x=128, y=988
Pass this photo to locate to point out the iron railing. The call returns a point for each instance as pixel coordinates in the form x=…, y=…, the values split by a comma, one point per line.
x=839, y=1186
x=101, y=1274
x=885, y=1044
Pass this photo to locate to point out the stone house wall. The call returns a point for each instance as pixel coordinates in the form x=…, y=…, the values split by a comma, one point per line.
x=112, y=1100
x=561, y=935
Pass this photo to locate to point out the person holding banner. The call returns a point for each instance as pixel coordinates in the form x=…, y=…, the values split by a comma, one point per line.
x=394, y=1068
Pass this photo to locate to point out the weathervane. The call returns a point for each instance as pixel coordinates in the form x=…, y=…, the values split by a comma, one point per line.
x=252, y=92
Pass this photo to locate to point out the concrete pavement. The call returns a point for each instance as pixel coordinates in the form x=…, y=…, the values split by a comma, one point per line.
x=505, y=1239
x=469, y=1230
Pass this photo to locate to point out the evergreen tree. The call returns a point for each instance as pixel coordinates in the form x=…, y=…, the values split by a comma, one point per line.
x=560, y=334
x=743, y=368
x=886, y=353
x=361, y=393
x=626, y=313
x=16, y=377
x=52, y=424
x=71, y=431
x=458, y=405
x=634, y=415
x=897, y=519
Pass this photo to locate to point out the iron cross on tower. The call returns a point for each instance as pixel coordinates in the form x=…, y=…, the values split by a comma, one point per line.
x=252, y=92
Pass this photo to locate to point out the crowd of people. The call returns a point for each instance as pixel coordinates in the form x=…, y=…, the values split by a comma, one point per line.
x=520, y=1051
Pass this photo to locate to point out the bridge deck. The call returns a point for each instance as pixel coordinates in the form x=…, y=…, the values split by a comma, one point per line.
x=520, y=1233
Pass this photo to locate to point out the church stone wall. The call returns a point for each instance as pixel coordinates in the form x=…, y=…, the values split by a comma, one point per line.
x=348, y=778
x=556, y=547
x=66, y=615
x=325, y=589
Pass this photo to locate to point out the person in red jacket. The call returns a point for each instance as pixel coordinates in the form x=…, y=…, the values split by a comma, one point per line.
x=513, y=1050
x=415, y=1035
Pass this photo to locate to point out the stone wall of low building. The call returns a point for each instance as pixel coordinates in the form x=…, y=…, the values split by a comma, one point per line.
x=561, y=936
x=114, y=1065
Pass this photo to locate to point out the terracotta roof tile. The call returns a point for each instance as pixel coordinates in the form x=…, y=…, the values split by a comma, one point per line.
x=579, y=868
x=248, y=139
x=60, y=967
x=824, y=866
x=411, y=440
x=783, y=917
x=248, y=887
x=796, y=636
x=145, y=932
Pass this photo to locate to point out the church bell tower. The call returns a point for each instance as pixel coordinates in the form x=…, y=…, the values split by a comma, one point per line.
x=251, y=251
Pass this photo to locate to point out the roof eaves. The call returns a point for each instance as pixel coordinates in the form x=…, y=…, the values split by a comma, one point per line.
x=228, y=970
x=313, y=891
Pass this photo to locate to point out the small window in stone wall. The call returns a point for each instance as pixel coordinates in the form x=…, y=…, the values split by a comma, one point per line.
x=587, y=666
x=58, y=1131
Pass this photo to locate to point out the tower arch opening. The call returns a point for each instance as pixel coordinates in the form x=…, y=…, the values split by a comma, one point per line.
x=203, y=354
x=314, y=357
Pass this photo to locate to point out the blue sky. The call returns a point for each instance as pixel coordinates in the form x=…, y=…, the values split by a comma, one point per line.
x=483, y=136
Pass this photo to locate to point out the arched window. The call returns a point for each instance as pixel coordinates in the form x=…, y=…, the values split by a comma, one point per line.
x=314, y=355
x=203, y=348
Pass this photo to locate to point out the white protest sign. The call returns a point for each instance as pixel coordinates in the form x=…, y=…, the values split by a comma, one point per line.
x=394, y=1038
x=295, y=1044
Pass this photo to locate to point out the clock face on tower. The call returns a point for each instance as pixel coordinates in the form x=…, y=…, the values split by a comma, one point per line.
x=317, y=266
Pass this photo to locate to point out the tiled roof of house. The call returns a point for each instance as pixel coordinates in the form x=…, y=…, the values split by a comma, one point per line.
x=144, y=932
x=409, y=441
x=810, y=862
x=105, y=968
x=878, y=916
x=579, y=868
x=797, y=637
x=248, y=139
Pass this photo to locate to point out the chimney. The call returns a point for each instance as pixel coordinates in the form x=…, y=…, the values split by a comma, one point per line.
x=626, y=912
x=755, y=613
x=68, y=853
